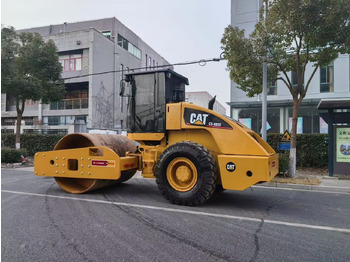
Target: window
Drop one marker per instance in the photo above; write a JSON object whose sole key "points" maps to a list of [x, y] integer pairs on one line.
{"points": [[107, 34], [30, 102], [272, 88], [327, 79], [71, 62], [146, 60], [295, 80], [61, 120], [129, 47], [53, 120], [74, 99]]}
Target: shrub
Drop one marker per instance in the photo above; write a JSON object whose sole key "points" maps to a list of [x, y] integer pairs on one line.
{"points": [[283, 162], [11, 155], [32, 142]]}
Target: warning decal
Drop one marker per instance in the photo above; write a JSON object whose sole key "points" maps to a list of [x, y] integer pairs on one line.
{"points": [[103, 163], [286, 136]]}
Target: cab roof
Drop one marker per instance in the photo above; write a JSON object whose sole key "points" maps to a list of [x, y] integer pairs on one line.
{"points": [[165, 71]]}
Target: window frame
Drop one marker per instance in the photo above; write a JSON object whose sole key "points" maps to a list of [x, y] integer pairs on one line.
{"points": [[272, 88], [71, 61], [128, 46], [330, 85]]}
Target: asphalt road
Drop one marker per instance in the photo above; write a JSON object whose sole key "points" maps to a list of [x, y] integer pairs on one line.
{"points": [[133, 222]]}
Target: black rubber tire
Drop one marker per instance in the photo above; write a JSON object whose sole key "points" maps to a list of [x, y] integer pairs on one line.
{"points": [[206, 170], [126, 175]]}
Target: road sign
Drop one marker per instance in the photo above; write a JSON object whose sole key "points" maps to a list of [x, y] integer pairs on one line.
{"points": [[284, 146], [286, 136]]}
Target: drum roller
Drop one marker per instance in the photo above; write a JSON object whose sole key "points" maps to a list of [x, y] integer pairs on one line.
{"points": [[119, 144]]}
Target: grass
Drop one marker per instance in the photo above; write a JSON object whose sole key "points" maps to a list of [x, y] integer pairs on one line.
{"points": [[304, 176], [313, 181]]}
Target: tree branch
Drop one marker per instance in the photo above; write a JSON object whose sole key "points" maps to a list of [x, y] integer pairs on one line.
{"points": [[284, 80], [289, 85], [309, 81]]}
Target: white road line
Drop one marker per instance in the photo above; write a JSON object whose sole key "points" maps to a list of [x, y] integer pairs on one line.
{"points": [[303, 190], [241, 218]]}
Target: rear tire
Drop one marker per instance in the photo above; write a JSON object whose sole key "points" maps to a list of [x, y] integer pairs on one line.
{"points": [[186, 174], [219, 189]]}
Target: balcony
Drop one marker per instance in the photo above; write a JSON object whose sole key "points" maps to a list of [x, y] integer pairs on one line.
{"points": [[66, 104]]}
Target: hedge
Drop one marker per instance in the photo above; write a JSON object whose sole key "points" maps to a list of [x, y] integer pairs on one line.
{"points": [[11, 155], [312, 149], [32, 142]]}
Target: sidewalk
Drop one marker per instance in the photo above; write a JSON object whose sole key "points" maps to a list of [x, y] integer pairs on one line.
{"points": [[339, 184]]}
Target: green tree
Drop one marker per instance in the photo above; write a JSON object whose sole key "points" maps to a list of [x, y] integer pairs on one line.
{"points": [[30, 69], [294, 34]]}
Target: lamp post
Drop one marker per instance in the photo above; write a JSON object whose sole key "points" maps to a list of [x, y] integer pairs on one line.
{"points": [[264, 92]]}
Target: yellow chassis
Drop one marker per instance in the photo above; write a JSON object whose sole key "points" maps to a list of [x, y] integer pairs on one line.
{"points": [[88, 162]]}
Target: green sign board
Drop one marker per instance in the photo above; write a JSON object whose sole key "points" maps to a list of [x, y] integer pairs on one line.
{"points": [[342, 137]]}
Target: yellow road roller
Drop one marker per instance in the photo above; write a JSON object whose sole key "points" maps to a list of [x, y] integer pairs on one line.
{"points": [[191, 151]]}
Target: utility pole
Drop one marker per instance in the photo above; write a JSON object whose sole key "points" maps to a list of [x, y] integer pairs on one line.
{"points": [[264, 92]]}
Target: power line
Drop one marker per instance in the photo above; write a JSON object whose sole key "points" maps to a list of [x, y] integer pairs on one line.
{"points": [[201, 62]]}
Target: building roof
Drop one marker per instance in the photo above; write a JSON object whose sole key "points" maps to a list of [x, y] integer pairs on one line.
{"points": [[283, 103], [342, 103], [185, 79]]}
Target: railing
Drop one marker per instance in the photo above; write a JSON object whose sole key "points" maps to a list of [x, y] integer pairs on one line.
{"points": [[12, 122], [79, 103]]}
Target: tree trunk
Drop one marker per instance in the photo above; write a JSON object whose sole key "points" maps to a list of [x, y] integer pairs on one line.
{"points": [[293, 143], [19, 122]]}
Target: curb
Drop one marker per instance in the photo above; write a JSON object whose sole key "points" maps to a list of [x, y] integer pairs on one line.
{"points": [[16, 165], [307, 187]]}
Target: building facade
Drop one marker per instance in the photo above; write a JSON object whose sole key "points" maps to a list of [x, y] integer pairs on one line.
{"points": [[332, 82], [202, 98], [94, 55]]}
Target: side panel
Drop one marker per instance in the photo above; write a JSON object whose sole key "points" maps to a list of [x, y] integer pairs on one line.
{"points": [[232, 138], [241, 172], [87, 162]]}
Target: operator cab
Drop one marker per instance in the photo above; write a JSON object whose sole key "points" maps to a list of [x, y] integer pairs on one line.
{"points": [[150, 91]]}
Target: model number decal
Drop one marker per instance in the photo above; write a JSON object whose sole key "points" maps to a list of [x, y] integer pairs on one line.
{"points": [[103, 163]]}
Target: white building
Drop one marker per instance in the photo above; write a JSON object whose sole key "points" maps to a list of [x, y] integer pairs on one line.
{"points": [[332, 82], [202, 99], [94, 55]]}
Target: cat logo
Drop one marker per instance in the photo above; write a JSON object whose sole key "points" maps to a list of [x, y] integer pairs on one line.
{"points": [[198, 119], [230, 167]]}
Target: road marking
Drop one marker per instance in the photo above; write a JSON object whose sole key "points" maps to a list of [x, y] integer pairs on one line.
{"points": [[241, 218], [302, 190]]}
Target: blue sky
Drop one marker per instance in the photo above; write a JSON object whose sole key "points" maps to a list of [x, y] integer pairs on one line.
{"points": [[181, 30]]}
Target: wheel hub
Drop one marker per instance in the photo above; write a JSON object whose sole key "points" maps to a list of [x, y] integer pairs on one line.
{"points": [[182, 174]]}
